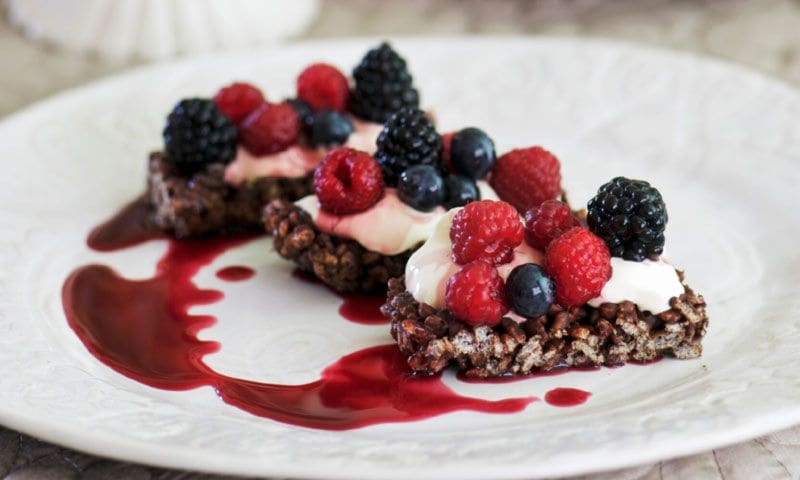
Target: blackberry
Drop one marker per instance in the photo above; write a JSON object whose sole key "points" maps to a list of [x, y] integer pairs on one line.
{"points": [[197, 133], [408, 138], [630, 216], [382, 85]]}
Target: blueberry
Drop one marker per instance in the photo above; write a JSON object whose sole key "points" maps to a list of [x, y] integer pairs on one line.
{"points": [[472, 152], [303, 110], [421, 187], [330, 128], [459, 191], [530, 291]]}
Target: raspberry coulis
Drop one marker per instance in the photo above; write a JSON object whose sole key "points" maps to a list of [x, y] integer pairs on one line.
{"points": [[235, 273], [363, 308], [142, 329]]}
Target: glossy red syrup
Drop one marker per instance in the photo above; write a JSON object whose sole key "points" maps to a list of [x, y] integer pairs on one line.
{"points": [[142, 329], [235, 273], [566, 397], [357, 307]]}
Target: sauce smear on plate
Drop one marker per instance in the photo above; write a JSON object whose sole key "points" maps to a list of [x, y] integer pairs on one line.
{"points": [[142, 329]]}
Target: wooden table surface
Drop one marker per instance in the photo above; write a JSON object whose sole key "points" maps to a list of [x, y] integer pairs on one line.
{"points": [[763, 34]]}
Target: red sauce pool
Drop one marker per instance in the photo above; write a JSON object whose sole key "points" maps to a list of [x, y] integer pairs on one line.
{"points": [[360, 308], [235, 273], [130, 226], [566, 397], [142, 329]]}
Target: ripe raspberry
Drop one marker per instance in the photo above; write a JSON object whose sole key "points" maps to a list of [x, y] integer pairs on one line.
{"points": [[487, 230], [270, 128], [347, 181], [580, 265], [237, 100], [447, 138], [546, 222], [527, 177], [323, 87], [476, 294]]}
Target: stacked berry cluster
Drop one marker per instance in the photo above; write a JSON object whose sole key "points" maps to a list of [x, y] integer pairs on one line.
{"points": [[484, 236], [202, 131], [625, 219], [429, 170]]}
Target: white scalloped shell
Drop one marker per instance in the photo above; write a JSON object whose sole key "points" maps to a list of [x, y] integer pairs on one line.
{"points": [[154, 29]]}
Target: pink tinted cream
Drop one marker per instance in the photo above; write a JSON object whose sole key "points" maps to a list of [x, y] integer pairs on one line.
{"points": [[388, 227], [295, 161]]}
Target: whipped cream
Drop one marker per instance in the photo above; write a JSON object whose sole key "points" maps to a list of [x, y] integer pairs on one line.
{"points": [[388, 227], [364, 136], [295, 161], [430, 267], [650, 284]]}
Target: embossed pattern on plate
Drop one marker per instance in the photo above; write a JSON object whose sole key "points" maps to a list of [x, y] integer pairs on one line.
{"points": [[720, 142]]}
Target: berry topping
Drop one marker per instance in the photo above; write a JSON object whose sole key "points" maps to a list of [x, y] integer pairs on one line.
{"points": [[472, 153], [487, 230], [476, 294], [579, 263], [527, 177], [237, 100], [347, 181], [382, 85], [329, 127], [630, 216], [529, 290], [271, 128], [304, 112], [459, 191], [546, 222], [408, 138], [447, 139], [421, 187], [197, 133], [323, 87]]}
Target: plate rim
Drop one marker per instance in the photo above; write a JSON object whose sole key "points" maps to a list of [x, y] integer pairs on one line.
{"points": [[112, 446]]}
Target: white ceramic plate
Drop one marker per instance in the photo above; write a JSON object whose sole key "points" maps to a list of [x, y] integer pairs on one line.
{"points": [[720, 142]]}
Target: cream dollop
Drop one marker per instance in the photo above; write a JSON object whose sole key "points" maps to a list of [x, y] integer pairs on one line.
{"points": [[388, 227], [364, 136], [295, 161], [429, 268], [649, 284]]}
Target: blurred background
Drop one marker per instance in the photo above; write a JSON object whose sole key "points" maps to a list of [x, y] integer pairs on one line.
{"points": [[50, 45], [47, 46]]}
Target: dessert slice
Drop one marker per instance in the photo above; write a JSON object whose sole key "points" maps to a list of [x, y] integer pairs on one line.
{"points": [[494, 296], [225, 158], [368, 214]]}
